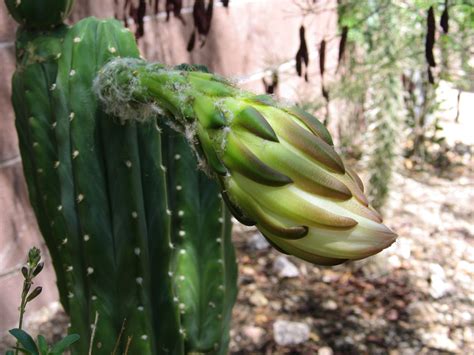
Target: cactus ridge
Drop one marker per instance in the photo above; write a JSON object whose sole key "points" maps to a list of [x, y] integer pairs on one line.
{"points": [[205, 267], [33, 85]]}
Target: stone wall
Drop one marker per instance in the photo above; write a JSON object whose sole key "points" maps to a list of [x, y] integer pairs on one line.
{"points": [[245, 40]]}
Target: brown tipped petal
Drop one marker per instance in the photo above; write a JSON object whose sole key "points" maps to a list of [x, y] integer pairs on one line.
{"points": [[290, 248], [296, 205], [304, 140], [306, 175], [237, 212], [312, 123], [355, 178], [212, 159], [240, 159], [355, 190], [208, 114], [354, 206], [255, 123], [357, 243], [264, 218]]}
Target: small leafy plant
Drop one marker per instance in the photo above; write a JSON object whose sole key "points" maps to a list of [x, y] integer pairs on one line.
{"points": [[25, 343]]}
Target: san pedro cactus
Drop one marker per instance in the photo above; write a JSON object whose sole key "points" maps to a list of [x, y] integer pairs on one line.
{"points": [[44, 14], [276, 163], [138, 236]]}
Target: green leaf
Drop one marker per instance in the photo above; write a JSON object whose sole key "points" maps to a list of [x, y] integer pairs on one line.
{"points": [[42, 345], [62, 345], [10, 352], [26, 340]]}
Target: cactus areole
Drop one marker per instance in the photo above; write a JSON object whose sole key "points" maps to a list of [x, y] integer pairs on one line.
{"points": [[276, 163], [40, 14]]}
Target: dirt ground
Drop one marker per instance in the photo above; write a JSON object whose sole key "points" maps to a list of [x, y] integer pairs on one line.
{"points": [[417, 297]]}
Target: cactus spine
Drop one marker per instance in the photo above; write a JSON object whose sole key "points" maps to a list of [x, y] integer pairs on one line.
{"points": [[137, 234]]}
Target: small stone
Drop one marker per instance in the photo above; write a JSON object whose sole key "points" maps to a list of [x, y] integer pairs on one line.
{"points": [[329, 305], [255, 334], [439, 287], [290, 333], [325, 350], [437, 337], [285, 268], [258, 299], [394, 261], [258, 242]]}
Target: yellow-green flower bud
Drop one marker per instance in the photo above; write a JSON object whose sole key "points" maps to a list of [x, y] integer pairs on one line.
{"points": [[276, 163]]}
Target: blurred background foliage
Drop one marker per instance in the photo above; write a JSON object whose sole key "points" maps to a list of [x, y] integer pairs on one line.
{"points": [[392, 57]]}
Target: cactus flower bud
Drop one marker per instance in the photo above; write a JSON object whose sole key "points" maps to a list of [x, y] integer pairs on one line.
{"points": [[276, 163]]}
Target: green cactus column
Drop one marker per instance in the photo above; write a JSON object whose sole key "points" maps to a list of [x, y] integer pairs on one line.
{"points": [[33, 85], [113, 200]]}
